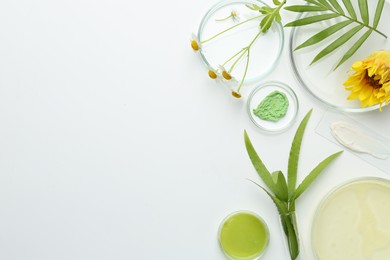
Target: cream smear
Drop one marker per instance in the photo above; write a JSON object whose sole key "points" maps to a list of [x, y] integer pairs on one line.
{"points": [[353, 222], [357, 140]]}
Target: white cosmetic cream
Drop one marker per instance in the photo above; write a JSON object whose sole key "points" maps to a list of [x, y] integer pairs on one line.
{"points": [[353, 222], [357, 140]]}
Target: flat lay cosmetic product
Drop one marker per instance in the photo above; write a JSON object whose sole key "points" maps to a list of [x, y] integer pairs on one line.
{"points": [[353, 222], [272, 107], [243, 235]]}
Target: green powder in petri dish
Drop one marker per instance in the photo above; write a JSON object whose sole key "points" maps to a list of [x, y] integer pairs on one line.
{"points": [[243, 236], [273, 107]]}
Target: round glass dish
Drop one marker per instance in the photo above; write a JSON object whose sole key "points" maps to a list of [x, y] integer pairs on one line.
{"points": [[243, 235], [352, 221], [264, 53], [259, 93], [321, 80]]}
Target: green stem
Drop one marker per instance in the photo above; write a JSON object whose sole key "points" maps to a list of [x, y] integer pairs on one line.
{"points": [[246, 69], [228, 29], [238, 59], [235, 55], [223, 19]]}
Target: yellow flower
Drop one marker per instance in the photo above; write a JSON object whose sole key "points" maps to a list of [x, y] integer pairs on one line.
{"points": [[225, 74], [236, 94], [371, 81], [195, 45], [212, 73]]}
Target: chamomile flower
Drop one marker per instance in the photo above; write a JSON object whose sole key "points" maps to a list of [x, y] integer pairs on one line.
{"points": [[213, 74], [236, 94], [234, 15], [225, 73], [371, 81], [195, 43]]}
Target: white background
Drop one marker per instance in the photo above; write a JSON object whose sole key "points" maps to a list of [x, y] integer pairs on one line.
{"points": [[114, 143]]}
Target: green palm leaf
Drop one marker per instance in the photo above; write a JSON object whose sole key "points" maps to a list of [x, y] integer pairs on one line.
{"points": [[329, 9], [337, 6], [337, 43], [349, 7], [312, 19], [323, 34], [354, 48], [378, 13], [305, 8], [325, 3], [363, 7]]}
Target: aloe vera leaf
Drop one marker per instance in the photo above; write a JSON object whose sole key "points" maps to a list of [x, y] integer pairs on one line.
{"points": [[378, 13], [294, 155], [363, 7], [258, 164], [350, 9], [292, 237], [337, 6], [312, 19], [280, 185], [324, 33], [305, 8], [280, 205], [314, 174], [354, 48], [337, 43]]}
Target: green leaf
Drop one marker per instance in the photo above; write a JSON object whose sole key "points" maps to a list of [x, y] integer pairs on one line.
{"points": [[294, 155], [337, 43], [336, 6], [363, 7], [276, 2], [280, 185], [312, 19], [280, 205], [378, 13], [266, 23], [305, 8], [350, 9], [278, 18], [354, 48], [292, 238], [324, 33], [325, 3], [258, 164], [314, 174], [313, 2]]}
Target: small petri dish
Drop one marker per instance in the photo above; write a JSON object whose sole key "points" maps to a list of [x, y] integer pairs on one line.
{"points": [[243, 235], [234, 35], [259, 93], [352, 221]]}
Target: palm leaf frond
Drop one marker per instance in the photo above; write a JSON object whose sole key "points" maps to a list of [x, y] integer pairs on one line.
{"points": [[321, 10]]}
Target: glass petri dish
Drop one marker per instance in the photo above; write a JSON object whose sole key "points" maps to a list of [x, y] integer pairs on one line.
{"points": [[259, 93], [321, 80], [265, 51], [243, 235], [352, 221]]}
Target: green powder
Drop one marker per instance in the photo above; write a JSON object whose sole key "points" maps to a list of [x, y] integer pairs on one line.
{"points": [[243, 236], [273, 107]]}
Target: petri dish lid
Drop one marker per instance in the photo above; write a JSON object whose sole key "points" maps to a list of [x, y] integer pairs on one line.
{"points": [[265, 51]]}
